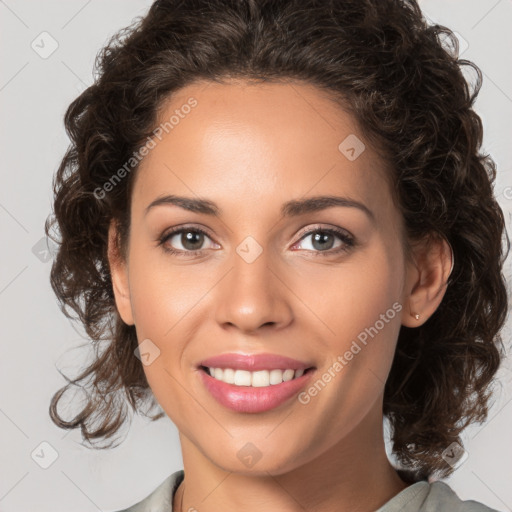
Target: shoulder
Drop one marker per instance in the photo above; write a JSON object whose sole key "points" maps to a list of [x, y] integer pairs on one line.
{"points": [[442, 497], [437, 496], [159, 499]]}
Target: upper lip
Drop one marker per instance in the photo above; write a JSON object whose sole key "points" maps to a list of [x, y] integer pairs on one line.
{"points": [[254, 362]]}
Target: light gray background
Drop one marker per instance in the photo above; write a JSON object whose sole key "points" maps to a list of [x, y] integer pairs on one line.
{"points": [[34, 93]]}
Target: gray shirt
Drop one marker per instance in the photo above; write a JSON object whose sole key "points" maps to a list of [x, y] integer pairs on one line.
{"points": [[418, 497]]}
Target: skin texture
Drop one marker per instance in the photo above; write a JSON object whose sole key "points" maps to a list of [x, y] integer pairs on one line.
{"points": [[250, 148]]}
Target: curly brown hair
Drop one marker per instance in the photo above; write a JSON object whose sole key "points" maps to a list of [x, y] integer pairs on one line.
{"points": [[401, 79]]}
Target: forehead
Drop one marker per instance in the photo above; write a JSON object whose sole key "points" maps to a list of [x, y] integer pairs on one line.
{"points": [[258, 143]]}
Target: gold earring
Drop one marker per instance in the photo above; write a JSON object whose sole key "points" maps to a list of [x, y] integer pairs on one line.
{"points": [[415, 315]]}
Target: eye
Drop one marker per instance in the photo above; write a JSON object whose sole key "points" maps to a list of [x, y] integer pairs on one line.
{"points": [[190, 239], [323, 241]]}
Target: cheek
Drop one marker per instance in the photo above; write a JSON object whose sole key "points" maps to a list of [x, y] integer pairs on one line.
{"points": [[357, 308], [159, 302], [352, 295], [373, 315], [153, 302], [161, 293], [151, 305], [166, 304]]}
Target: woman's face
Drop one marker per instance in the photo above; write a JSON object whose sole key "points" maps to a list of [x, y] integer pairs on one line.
{"points": [[268, 276]]}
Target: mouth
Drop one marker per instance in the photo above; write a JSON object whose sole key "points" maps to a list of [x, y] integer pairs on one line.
{"points": [[254, 383], [253, 362], [259, 378]]}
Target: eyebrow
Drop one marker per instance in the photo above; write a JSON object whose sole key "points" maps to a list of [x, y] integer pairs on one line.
{"points": [[293, 208]]}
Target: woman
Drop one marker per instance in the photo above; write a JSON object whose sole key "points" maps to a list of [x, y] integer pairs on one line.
{"points": [[276, 219]]}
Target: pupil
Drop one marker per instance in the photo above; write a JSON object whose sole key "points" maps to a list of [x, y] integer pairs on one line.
{"points": [[321, 238], [191, 237]]}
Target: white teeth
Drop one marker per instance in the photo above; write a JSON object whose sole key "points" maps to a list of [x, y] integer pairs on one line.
{"points": [[257, 379], [276, 376], [242, 378], [288, 374], [228, 375]]}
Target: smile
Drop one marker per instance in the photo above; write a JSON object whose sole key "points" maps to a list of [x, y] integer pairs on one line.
{"points": [[260, 378], [242, 395]]}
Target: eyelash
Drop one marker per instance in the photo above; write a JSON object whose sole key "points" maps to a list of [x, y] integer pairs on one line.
{"points": [[348, 241]]}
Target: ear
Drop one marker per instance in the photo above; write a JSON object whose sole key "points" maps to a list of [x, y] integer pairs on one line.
{"points": [[119, 274], [426, 281]]}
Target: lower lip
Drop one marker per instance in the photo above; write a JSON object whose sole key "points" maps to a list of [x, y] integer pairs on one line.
{"points": [[253, 399]]}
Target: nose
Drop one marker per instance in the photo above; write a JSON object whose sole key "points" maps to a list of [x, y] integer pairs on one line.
{"points": [[254, 295]]}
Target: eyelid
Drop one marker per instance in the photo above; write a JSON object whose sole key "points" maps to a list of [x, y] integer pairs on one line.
{"points": [[348, 241], [319, 227], [166, 235]]}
